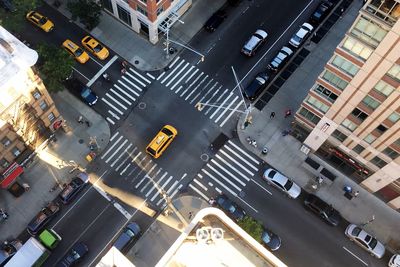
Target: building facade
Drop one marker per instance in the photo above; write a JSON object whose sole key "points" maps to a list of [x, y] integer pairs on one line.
{"points": [[149, 17], [351, 115], [28, 115]]}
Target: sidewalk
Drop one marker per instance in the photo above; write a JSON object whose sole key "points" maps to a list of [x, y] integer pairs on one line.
{"points": [[284, 151], [53, 164]]}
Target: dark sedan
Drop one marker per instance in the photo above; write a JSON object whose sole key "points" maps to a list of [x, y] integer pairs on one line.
{"points": [[321, 12], [230, 207], [215, 20], [88, 96], [323, 210], [77, 252], [74, 187], [255, 88], [270, 240], [130, 233], [43, 218]]}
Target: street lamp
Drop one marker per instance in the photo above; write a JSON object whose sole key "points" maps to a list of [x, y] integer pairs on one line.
{"points": [[247, 118]]}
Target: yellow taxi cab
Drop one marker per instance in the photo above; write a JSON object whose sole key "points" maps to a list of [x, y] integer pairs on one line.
{"points": [[162, 140], [80, 55], [40, 21], [95, 47]]}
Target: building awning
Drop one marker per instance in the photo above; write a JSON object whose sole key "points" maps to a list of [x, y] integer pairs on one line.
{"points": [[10, 174]]}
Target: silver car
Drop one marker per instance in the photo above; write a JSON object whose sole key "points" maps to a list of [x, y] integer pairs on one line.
{"points": [[364, 240], [299, 37], [254, 42], [282, 182]]}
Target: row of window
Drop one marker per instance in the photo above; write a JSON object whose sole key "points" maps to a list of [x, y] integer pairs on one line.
{"points": [[16, 152]]}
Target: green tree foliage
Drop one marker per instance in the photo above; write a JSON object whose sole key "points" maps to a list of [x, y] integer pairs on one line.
{"points": [[252, 227], [55, 65], [87, 11], [15, 21]]}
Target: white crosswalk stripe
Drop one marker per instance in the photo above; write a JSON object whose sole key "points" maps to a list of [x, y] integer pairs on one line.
{"points": [[229, 171], [200, 90]]}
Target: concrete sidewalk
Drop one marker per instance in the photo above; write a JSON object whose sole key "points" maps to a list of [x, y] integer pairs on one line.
{"points": [[284, 151]]}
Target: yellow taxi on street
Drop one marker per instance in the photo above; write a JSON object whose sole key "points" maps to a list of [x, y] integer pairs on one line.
{"points": [[40, 21], [95, 47], [162, 140], [79, 54]]}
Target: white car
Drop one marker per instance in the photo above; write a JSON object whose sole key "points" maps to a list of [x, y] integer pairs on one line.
{"points": [[364, 240], [280, 59], [281, 182], [394, 261], [299, 37], [254, 42]]}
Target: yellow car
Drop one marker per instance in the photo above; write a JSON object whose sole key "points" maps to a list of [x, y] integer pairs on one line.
{"points": [[40, 21], [162, 140], [80, 55], [95, 47]]}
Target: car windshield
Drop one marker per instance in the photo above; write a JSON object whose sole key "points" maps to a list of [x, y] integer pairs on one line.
{"points": [[356, 231], [42, 21], [297, 38], [85, 93], [130, 233], [271, 174], [266, 237], [373, 243], [97, 48], [231, 208], [78, 52], [260, 80], [167, 131], [75, 255], [288, 185]]}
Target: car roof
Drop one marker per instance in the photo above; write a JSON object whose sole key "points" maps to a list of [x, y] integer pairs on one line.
{"points": [[262, 33], [308, 26], [287, 50], [279, 177]]}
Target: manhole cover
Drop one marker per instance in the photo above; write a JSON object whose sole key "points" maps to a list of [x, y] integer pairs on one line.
{"points": [[142, 105], [204, 157], [81, 141], [136, 61]]}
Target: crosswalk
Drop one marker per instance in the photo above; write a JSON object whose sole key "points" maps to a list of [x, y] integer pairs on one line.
{"points": [[124, 93], [229, 171], [138, 170], [201, 90]]}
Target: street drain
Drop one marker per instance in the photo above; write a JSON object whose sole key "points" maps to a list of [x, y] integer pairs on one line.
{"points": [[142, 105], [81, 141], [204, 157]]}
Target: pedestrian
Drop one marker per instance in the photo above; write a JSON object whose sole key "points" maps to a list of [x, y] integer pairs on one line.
{"points": [[272, 115], [288, 112], [190, 215], [123, 71], [356, 193], [80, 119]]}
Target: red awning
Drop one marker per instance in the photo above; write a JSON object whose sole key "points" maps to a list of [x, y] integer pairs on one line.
{"points": [[10, 175]]}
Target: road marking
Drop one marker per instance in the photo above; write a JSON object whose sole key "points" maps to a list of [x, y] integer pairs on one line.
{"points": [[197, 86], [232, 112], [120, 96], [228, 172], [190, 85], [113, 114], [239, 156], [136, 79], [110, 120], [172, 71], [141, 76], [217, 101], [262, 187], [116, 151], [131, 83], [223, 103], [226, 109], [129, 89], [161, 188], [183, 76], [173, 63], [200, 184], [80, 73], [128, 157], [111, 105], [191, 76], [237, 163], [232, 167], [100, 72], [247, 204], [199, 192], [176, 76], [109, 150], [204, 88], [125, 93], [223, 177], [116, 101], [220, 183], [244, 152], [148, 174], [120, 156], [355, 256], [151, 76], [115, 135]]}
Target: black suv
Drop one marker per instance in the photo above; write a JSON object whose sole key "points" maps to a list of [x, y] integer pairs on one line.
{"points": [[323, 209], [255, 88], [321, 12], [215, 20], [43, 217]]}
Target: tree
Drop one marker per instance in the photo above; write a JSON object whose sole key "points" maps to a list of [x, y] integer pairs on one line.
{"points": [[55, 65], [252, 227], [87, 11], [15, 21]]}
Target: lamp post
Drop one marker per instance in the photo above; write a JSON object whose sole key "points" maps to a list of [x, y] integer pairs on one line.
{"points": [[247, 118]]}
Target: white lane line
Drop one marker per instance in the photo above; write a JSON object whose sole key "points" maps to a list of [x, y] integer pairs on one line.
{"points": [[172, 71], [240, 157], [141, 76], [247, 204], [111, 148], [136, 79], [116, 101], [80, 73], [355, 256], [173, 62], [228, 172], [162, 187], [116, 151], [226, 109], [199, 192], [219, 190], [215, 92], [131, 83], [200, 184], [113, 115], [111, 105], [151, 76], [183, 176], [201, 91], [153, 187], [161, 75], [148, 174], [179, 88], [237, 163], [115, 135], [103, 69], [125, 93], [120, 96], [244, 152], [176, 191], [120, 156], [190, 85], [220, 183], [197, 86], [262, 187], [232, 167], [223, 177], [129, 89], [232, 112], [208, 91], [169, 190], [110, 120], [222, 105], [128, 157], [191, 76], [177, 75], [210, 184], [183, 76], [217, 101]]}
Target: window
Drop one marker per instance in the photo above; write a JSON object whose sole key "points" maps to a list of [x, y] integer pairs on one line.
{"points": [[348, 124], [345, 65], [51, 116], [160, 10], [384, 88], [390, 153], [325, 93], [141, 10], [359, 114], [4, 163], [36, 94], [394, 72], [357, 48], [339, 135], [381, 129], [397, 142], [43, 105], [386, 10], [370, 102], [394, 117], [333, 79], [358, 149], [124, 15], [16, 152], [378, 162], [107, 5], [370, 138], [368, 31], [317, 104], [6, 142], [309, 115]]}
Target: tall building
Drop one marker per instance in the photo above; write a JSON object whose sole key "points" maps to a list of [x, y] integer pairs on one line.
{"points": [[351, 115], [27, 112], [149, 17]]}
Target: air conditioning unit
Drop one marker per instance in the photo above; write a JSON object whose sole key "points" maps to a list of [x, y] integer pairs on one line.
{"points": [[202, 235], [217, 234]]}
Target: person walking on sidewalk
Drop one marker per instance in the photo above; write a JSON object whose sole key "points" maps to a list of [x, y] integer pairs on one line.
{"points": [[288, 112], [272, 115]]}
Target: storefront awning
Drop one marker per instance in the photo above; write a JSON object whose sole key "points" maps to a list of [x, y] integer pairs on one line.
{"points": [[10, 174]]}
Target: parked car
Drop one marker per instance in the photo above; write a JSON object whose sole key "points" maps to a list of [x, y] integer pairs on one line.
{"points": [[270, 240], [280, 59], [43, 217], [323, 210], [394, 261], [74, 187], [94, 47], [130, 233], [8, 249], [365, 240], [77, 252], [88, 96], [321, 12], [255, 88], [299, 37], [252, 44], [282, 182], [78, 53], [40, 21], [230, 207], [215, 20]]}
